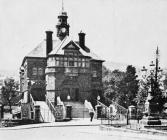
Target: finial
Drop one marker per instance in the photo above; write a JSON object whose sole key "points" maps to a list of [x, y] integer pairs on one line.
{"points": [[157, 51], [62, 5]]}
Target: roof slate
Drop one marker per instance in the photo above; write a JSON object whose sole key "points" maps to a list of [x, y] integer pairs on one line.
{"points": [[67, 40], [58, 45], [40, 50]]}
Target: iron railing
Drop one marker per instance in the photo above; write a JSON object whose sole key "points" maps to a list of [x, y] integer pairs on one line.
{"points": [[51, 107], [108, 117], [46, 114], [32, 105]]}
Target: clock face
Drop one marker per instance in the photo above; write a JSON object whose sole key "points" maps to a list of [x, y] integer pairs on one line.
{"points": [[63, 30]]}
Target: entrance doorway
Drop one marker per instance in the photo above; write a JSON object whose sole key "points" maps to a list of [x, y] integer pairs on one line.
{"points": [[75, 94]]}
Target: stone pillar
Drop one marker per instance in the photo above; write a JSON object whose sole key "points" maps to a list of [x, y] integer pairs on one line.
{"points": [[37, 113], [69, 112], [0, 111], [99, 111], [132, 112]]}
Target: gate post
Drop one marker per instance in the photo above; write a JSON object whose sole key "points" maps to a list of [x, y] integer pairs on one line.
{"points": [[69, 111], [0, 112], [99, 110], [37, 113]]}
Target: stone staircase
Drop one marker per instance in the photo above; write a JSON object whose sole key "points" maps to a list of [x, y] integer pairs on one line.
{"points": [[46, 114], [78, 109]]}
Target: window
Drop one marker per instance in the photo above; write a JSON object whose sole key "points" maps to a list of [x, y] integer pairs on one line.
{"points": [[87, 64], [40, 71], [75, 64], [79, 64], [75, 54], [57, 61], [94, 74], [70, 53], [71, 63], [61, 63], [71, 71], [83, 64], [51, 61], [65, 63], [34, 71], [37, 71]]}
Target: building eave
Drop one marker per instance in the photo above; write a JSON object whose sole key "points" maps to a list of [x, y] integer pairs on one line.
{"points": [[29, 57]]}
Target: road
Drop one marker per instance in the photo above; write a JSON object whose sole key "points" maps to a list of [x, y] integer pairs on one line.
{"points": [[73, 133]]}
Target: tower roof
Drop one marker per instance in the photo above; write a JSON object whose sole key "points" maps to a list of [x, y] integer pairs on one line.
{"points": [[62, 13]]}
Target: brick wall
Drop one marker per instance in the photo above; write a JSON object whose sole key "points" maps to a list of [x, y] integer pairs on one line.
{"points": [[35, 83], [84, 82]]}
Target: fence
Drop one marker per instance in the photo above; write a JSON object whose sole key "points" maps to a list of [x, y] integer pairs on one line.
{"points": [[114, 114]]}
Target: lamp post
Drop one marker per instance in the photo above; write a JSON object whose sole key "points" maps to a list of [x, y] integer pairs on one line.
{"points": [[98, 98], [152, 103], [68, 98], [68, 108]]}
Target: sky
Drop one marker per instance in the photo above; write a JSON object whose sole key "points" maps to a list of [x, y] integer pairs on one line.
{"points": [[124, 31]]}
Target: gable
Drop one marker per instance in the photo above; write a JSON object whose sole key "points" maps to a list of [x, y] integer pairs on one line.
{"points": [[71, 46]]}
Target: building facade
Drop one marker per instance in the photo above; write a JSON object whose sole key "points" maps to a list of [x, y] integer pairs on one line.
{"points": [[62, 67]]}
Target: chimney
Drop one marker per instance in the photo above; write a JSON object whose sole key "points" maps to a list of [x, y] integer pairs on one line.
{"points": [[82, 40], [49, 43]]}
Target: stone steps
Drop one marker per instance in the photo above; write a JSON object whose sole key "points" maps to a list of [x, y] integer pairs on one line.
{"points": [[78, 110], [46, 114]]}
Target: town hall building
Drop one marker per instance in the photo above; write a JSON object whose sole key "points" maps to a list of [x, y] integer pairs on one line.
{"points": [[62, 67]]}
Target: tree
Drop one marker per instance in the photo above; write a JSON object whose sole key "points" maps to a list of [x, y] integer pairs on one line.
{"points": [[165, 82], [111, 87], [9, 91], [121, 87], [128, 87], [142, 92], [156, 89]]}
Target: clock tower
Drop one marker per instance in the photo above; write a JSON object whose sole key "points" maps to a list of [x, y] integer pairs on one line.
{"points": [[62, 26]]}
